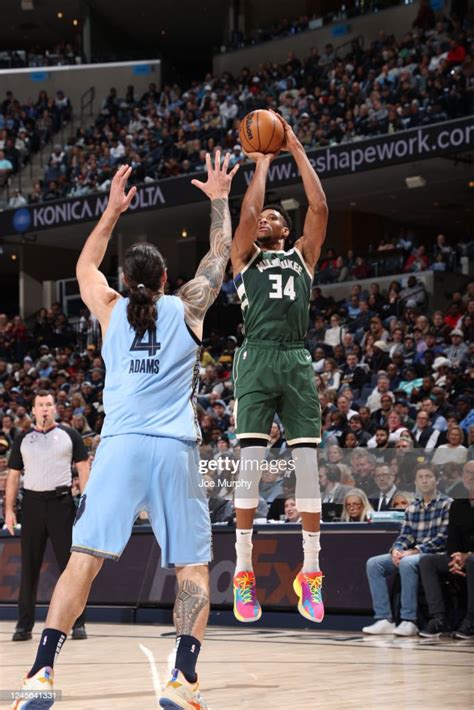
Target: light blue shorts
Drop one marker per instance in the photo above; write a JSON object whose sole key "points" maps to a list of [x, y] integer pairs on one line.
{"points": [[134, 472]]}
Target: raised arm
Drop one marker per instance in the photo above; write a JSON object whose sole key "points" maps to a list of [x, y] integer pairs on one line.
{"points": [[314, 231], [252, 204], [201, 292], [95, 291]]}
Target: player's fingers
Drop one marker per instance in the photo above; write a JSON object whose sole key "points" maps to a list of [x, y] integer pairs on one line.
{"points": [[131, 194], [119, 176], [225, 165], [126, 174], [198, 183], [217, 162], [234, 170], [208, 162], [284, 123]]}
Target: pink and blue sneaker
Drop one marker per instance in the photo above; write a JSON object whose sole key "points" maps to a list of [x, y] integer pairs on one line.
{"points": [[308, 587], [246, 606]]}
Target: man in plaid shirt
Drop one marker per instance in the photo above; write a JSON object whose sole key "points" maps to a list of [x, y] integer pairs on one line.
{"points": [[424, 530]]}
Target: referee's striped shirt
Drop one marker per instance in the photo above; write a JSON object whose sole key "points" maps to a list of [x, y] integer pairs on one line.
{"points": [[46, 457]]}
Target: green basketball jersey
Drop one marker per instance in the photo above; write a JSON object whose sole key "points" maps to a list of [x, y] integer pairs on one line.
{"points": [[274, 290]]}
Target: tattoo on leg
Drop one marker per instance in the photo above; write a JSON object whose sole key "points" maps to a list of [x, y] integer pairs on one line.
{"points": [[191, 600]]}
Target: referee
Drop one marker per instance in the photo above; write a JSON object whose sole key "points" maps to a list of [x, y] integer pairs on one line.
{"points": [[45, 453]]}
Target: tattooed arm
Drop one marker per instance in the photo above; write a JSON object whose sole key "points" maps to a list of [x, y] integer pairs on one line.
{"points": [[201, 292]]}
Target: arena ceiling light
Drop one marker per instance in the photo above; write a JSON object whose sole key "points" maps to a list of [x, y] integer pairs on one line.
{"points": [[27, 5], [415, 181]]}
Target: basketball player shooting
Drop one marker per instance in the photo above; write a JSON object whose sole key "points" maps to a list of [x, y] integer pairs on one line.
{"points": [[273, 371], [149, 442]]}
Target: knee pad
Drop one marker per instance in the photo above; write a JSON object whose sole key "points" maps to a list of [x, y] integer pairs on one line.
{"points": [[248, 479], [307, 493]]}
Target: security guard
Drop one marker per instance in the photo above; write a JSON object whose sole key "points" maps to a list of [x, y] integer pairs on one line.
{"points": [[45, 453]]}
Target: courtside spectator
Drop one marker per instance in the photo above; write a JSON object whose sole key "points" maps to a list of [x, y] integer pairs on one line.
{"points": [[424, 531]]}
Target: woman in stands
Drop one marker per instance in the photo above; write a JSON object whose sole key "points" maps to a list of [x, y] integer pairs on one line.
{"points": [[292, 514], [356, 506], [453, 451], [402, 499]]}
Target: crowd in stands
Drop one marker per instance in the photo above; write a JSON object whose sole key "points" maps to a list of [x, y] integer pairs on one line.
{"points": [[395, 254], [396, 386], [287, 27], [27, 126], [62, 54], [396, 392], [328, 97]]}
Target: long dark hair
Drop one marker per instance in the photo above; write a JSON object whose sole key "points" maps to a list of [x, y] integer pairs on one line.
{"points": [[143, 268]]}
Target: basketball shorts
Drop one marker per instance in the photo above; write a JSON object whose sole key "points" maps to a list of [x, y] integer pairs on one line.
{"points": [[276, 378], [133, 473]]}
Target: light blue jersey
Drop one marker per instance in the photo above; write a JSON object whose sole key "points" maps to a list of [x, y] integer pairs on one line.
{"points": [[150, 382]]}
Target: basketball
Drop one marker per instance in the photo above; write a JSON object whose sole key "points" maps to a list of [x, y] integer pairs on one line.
{"points": [[261, 132]]}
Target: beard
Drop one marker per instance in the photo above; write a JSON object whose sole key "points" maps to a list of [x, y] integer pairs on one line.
{"points": [[268, 240]]}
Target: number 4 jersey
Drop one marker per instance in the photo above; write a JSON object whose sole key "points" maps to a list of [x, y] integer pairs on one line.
{"points": [[150, 382], [274, 290]]}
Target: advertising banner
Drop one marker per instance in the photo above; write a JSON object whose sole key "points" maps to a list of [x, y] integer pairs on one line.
{"points": [[343, 159]]}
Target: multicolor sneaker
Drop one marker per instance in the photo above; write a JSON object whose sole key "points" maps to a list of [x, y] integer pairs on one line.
{"points": [[181, 695], [37, 692], [246, 606], [307, 586]]}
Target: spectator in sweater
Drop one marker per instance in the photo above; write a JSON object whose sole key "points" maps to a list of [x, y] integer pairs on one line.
{"points": [[458, 350], [414, 294], [453, 451], [383, 389], [424, 531]]}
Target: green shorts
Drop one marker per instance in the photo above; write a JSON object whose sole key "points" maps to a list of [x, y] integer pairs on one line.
{"points": [[276, 378]]}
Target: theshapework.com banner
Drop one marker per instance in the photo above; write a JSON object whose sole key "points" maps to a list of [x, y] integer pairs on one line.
{"points": [[446, 138]]}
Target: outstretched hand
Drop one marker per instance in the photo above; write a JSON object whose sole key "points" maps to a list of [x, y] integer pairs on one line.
{"points": [[219, 181], [119, 201]]}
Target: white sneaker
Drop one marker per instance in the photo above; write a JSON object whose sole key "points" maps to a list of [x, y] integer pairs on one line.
{"points": [[381, 627], [181, 695], [37, 691], [406, 628]]}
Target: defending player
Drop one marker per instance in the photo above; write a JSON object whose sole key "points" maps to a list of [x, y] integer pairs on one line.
{"points": [[149, 439], [273, 371]]}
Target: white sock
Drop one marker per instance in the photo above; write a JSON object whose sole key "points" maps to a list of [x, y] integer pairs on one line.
{"points": [[243, 548], [311, 549]]}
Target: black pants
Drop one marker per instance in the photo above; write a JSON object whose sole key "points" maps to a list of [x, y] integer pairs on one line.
{"points": [[433, 568], [42, 518]]}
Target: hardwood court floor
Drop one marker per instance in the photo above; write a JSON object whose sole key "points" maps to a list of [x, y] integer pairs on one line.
{"points": [[255, 669]]}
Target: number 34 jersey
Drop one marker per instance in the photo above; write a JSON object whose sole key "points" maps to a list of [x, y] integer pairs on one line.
{"points": [[274, 290], [150, 382]]}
